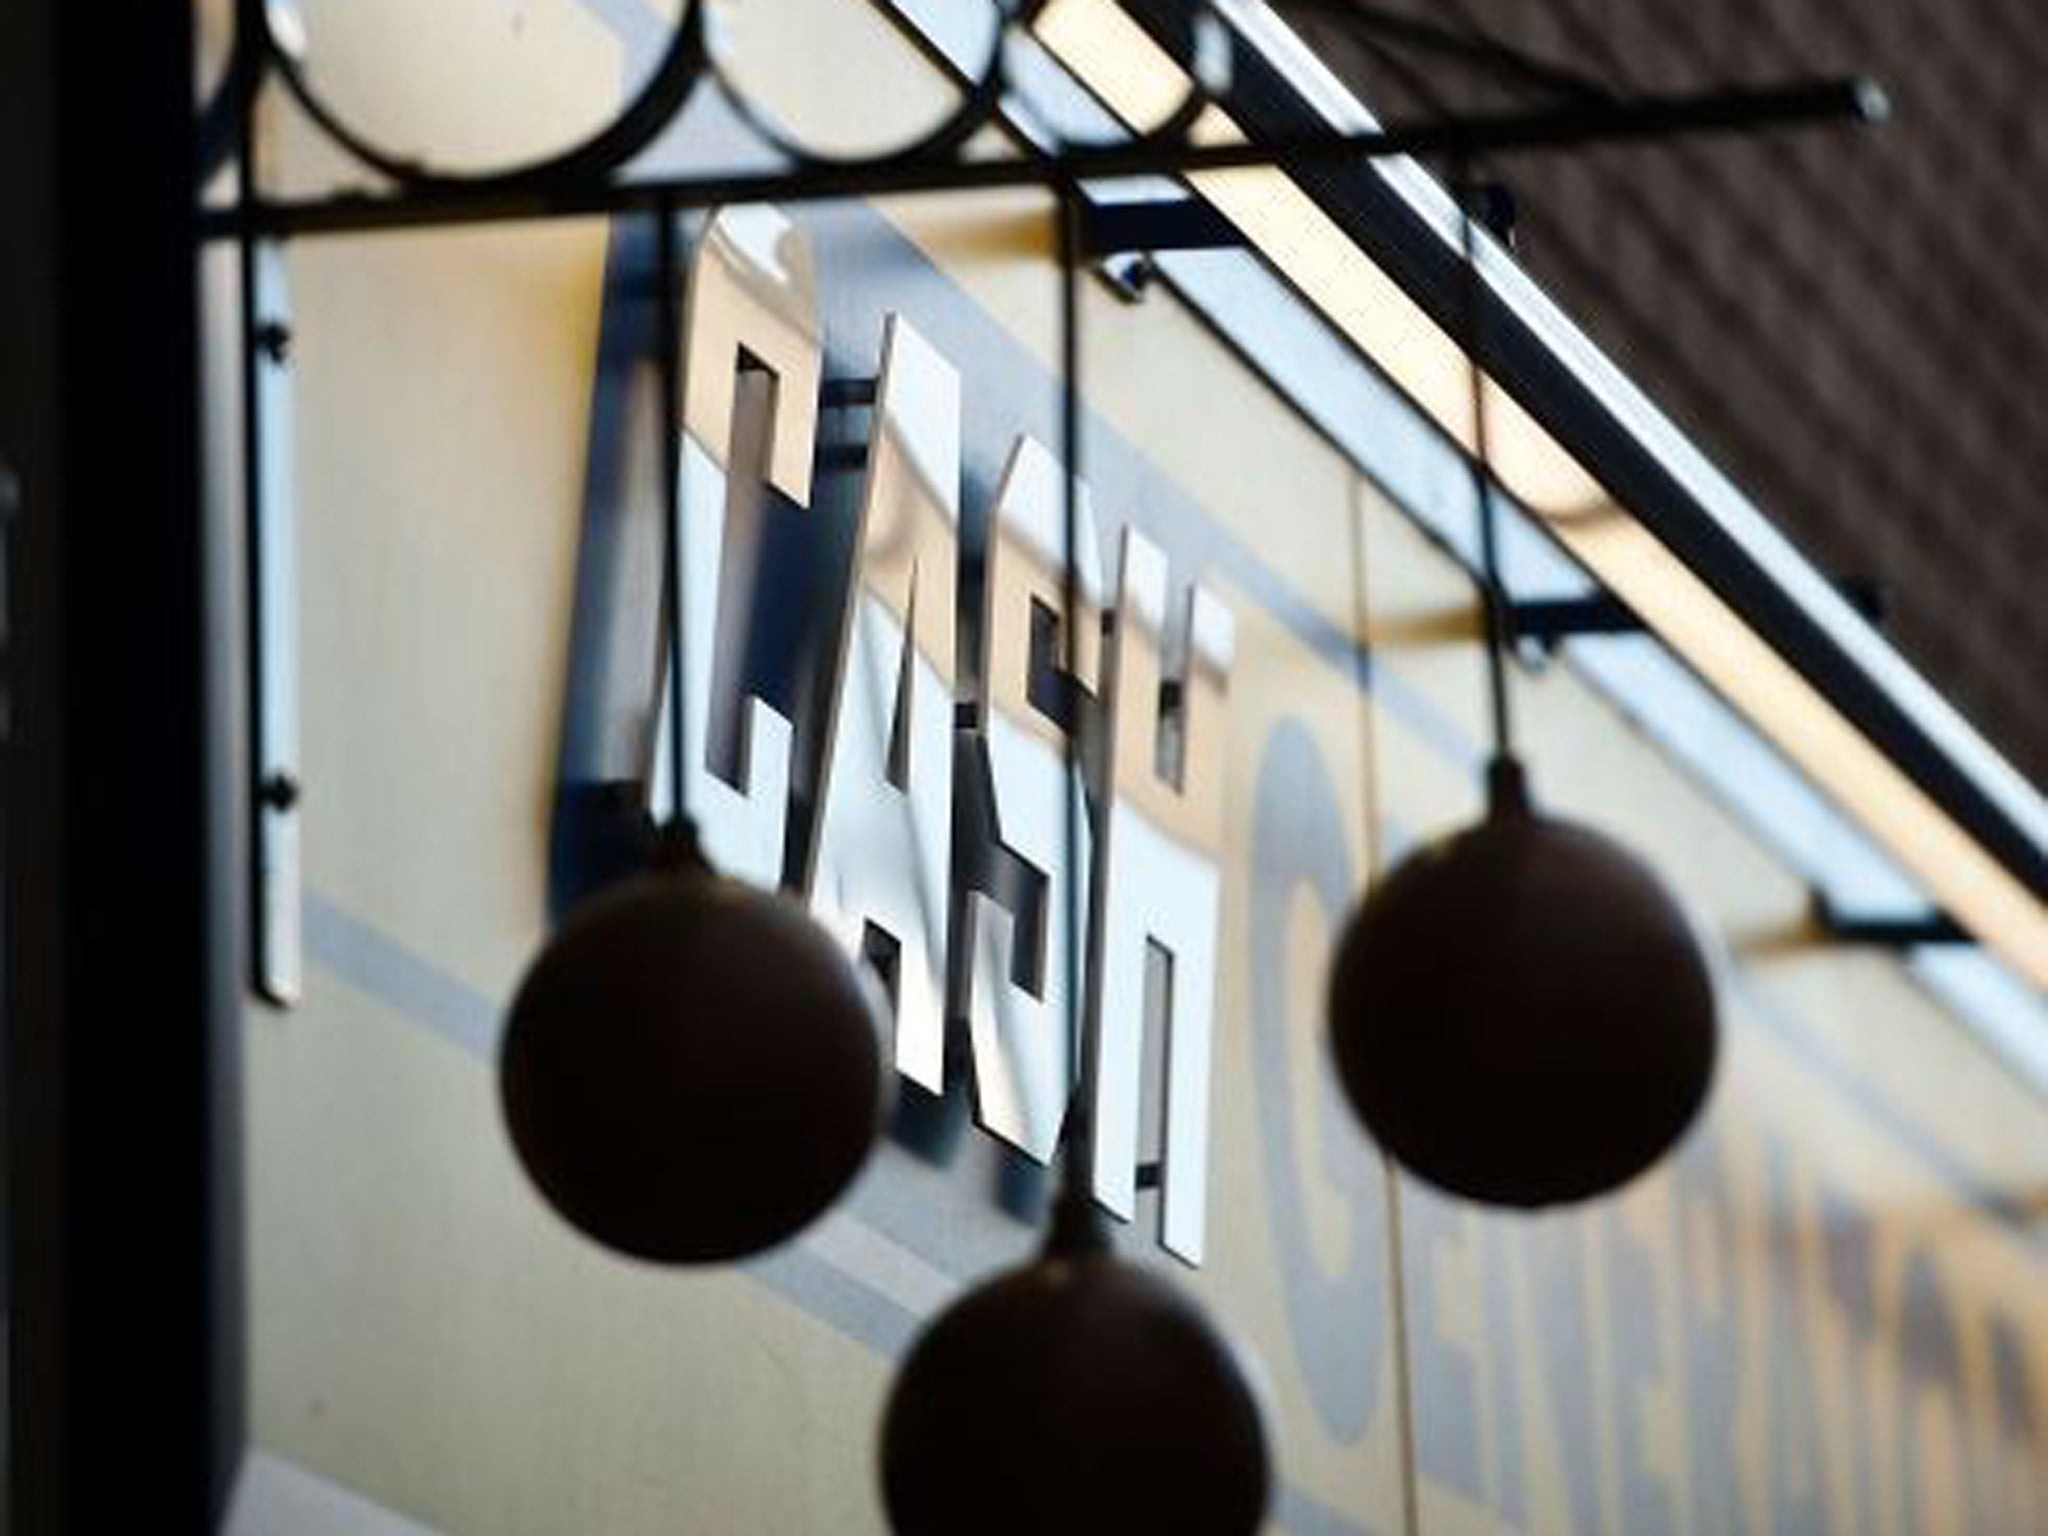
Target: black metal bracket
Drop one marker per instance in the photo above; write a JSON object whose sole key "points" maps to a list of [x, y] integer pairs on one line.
{"points": [[1548, 622], [848, 393], [1912, 930], [849, 397], [1120, 239], [603, 833], [1155, 224]]}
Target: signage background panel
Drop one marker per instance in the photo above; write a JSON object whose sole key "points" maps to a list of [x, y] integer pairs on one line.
{"points": [[1854, 1218]]}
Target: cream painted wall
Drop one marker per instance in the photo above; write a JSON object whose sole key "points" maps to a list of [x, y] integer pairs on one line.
{"points": [[424, 1332]]}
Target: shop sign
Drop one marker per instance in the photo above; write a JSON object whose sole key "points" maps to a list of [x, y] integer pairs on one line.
{"points": [[932, 834]]}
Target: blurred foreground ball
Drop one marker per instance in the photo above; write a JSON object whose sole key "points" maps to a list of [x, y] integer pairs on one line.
{"points": [[1520, 1013], [1079, 1395], [692, 1069]]}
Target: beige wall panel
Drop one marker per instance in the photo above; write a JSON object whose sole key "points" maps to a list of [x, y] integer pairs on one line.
{"points": [[1281, 1136], [426, 1334], [463, 87], [1428, 714], [443, 389], [1867, 1007]]}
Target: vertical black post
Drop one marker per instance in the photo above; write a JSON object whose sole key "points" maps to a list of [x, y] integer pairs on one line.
{"points": [[669, 366], [124, 1366], [1075, 1216]]}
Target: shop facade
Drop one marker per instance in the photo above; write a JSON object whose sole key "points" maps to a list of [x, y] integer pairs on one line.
{"points": [[1823, 1312]]}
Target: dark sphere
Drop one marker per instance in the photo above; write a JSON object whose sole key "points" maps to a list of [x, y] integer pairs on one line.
{"points": [[1521, 1015], [1078, 1394], [692, 1069]]}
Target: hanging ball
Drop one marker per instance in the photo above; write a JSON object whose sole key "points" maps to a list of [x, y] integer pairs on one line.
{"points": [[1520, 1013], [692, 1069], [1078, 1394]]}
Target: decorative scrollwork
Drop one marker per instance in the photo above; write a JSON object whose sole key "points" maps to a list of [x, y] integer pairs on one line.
{"points": [[975, 110], [588, 177], [271, 41], [282, 46]]}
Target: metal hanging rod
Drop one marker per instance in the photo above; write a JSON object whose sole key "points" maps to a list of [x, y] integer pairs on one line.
{"points": [[1855, 100], [1155, 224]]}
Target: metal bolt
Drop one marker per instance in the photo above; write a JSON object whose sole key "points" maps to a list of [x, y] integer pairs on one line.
{"points": [[1128, 273], [278, 792], [273, 338]]}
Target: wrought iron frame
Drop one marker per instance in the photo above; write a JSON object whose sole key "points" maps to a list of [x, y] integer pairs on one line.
{"points": [[582, 181], [594, 177]]}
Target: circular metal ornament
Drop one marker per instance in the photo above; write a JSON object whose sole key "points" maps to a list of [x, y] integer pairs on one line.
{"points": [[692, 1069], [1203, 46], [652, 107], [975, 110], [230, 61], [1520, 1013]]}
